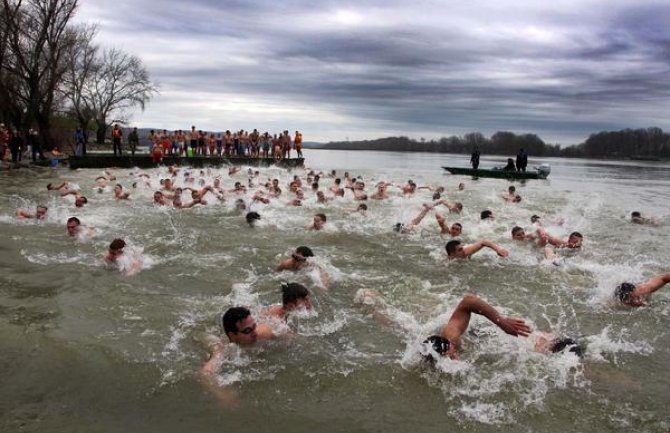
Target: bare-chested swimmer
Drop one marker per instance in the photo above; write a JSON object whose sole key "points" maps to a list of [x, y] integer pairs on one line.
{"points": [[448, 342], [40, 213], [457, 250], [77, 230], [455, 230], [637, 295], [294, 297], [241, 329]]}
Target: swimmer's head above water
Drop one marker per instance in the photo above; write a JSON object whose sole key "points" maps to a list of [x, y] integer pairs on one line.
{"points": [[434, 344]]}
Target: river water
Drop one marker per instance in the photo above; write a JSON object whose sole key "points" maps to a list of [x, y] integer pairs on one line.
{"points": [[85, 348]]}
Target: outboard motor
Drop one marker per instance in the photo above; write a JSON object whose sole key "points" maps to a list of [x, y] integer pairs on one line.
{"points": [[544, 169]]}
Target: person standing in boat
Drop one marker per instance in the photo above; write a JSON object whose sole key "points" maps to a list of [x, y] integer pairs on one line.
{"points": [[521, 160], [474, 159]]}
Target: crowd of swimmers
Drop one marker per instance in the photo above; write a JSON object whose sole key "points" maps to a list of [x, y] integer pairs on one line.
{"points": [[240, 327]]}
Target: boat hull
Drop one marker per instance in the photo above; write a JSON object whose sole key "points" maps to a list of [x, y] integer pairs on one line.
{"points": [[498, 174]]}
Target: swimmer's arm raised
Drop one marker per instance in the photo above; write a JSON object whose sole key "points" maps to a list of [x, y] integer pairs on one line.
{"points": [[644, 290], [460, 319]]}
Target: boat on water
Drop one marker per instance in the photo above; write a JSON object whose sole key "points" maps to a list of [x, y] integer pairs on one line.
{"points": [[540, 172]]}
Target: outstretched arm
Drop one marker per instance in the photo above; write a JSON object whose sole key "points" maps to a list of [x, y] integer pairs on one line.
{"points": [[442, 222], [460, 319], [473, 248], [644, 290]]}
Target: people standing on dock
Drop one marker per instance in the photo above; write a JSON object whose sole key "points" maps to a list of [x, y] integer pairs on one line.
{"points": [[117, 135], [474, 158], [298, 143], [133, 141]]}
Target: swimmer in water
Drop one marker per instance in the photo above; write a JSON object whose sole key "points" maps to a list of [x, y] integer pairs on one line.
{"points": [[457, 250], [519, 234], [552, 343], [318, 222], [297, 261], [455, 207], [159, 199], [252, 218], [294, 297], [448, 342], [119, 194], [76, 229], [129, 266], [637, 295], [574, 242], [241, 329], [40, 213], [511, 195], [487, 215], [638, 218], [361, 209], [407, 228], [115, 251], [455, 230]]}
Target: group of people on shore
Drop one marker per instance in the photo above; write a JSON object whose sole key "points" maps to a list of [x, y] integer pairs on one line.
{"points": [[197, 142], [249, 198]]}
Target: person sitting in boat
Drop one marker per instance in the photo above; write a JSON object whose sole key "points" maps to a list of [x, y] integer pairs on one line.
{"points": [[510, 165]]}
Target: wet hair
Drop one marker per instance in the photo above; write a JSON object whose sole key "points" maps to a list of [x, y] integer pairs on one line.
{"points": [[73, 220], [231, 317], [459, 206], [516, 229], [322, 216], [633, 214], [567, 343], [304, 251], [437, 343], [534, 218], [117, 244], [577, 234], [82, 199], [511, 189], [517, 199], [451, 247], [436, 196], [398, 227], [624, 291], [459, 225], [363, 206], [252, 217], [315, 185], [291, 292], [486, 214]]}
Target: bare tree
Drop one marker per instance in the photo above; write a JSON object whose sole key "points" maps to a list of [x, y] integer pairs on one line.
{"points": [[108, 84], [38, 35], [82, 62]]}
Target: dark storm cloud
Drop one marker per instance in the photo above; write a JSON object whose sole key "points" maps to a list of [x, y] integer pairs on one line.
{"points": [[405, 66]]}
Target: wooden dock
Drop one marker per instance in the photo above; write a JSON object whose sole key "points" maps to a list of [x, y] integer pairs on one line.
{"points": [[145, 161]]}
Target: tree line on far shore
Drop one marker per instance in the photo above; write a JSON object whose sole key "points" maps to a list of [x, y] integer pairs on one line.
{"points": [[649, 143]]}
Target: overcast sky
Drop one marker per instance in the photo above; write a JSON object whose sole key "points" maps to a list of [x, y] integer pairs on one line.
{"points": [[373, 68]]}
